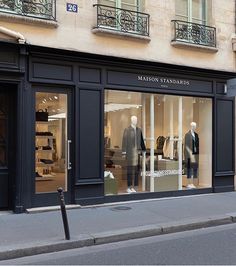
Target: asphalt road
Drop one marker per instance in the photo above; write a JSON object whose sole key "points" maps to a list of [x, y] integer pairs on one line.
{"points": [[215, 245]]}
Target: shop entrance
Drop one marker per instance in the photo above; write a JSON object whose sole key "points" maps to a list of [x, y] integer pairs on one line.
{"points": [[7, 145], [53, 145]]}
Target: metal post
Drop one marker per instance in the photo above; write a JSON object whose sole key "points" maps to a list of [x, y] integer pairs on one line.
{"points": [[152, 142], [180, 142], [171, 128], [63, 213], [144, 136]]}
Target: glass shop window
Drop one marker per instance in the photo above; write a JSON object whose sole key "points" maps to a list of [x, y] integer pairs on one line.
{"points": [[156, 142]]}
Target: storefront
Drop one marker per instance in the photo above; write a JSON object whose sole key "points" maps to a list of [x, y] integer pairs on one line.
{"points": [[108, 129]]}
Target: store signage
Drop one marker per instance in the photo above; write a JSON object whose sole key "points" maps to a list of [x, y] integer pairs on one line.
{"points": [[163, 80], [158, 82], [72, 7]]}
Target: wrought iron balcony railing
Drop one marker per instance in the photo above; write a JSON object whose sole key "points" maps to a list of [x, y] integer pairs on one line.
{"points": [[194, 33], [43, 9], [122, 20]]}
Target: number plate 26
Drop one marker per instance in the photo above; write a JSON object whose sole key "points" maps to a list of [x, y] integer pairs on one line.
{"points": [[71, 7]]}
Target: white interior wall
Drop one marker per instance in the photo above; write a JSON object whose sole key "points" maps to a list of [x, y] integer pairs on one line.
{"points": [[205, 145]]}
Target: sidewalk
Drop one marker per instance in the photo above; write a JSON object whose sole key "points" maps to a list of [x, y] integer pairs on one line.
{"points": [[29, 234]]}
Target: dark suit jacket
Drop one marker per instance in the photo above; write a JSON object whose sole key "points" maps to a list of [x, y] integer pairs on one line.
{"points": [[128, 144], [191, 148]]}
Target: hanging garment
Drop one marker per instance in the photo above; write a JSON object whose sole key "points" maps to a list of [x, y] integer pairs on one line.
{"points": [[160, 144], [170, 148]]}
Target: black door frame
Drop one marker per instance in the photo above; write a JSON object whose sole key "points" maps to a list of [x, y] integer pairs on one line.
{"points": [[49, 199], [10, 89]]}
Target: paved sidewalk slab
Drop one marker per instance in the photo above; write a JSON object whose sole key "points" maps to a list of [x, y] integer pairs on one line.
{"points": [[29, 234]]}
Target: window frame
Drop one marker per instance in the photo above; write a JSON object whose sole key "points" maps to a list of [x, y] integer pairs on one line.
{"points": [[190, 18], [119, 3]]}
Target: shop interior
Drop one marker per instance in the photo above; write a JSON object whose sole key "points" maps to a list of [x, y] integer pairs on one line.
{"points": [[50, 142], [165, 122]]}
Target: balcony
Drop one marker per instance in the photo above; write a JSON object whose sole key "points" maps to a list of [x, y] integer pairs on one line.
{"points": [[194, 35], [122, 21], [39, 9]]}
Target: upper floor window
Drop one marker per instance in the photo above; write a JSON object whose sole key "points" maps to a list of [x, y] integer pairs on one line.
{"points": [[44, 9], [191, 25], [195, 11], [134, 5], [122, 16]]}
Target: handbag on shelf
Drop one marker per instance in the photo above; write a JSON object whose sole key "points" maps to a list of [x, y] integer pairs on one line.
{"points": [[47, 161], [42, 115]]}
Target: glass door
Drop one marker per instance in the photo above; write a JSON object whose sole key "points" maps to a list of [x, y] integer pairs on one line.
{"points": [[52, 142]]}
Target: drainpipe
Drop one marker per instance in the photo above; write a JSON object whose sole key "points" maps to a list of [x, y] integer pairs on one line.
{"points": [[234, 35], [20, 38]]}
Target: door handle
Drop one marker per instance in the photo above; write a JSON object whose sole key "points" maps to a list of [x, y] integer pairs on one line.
{"points": [[68, 155]]}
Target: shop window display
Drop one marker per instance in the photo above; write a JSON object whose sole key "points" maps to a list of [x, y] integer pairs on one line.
{"points": [[50, 142], [156, 142]]}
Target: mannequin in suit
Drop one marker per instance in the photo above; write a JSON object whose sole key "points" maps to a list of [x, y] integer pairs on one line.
{"points": [[132, 146], [191, 155]]}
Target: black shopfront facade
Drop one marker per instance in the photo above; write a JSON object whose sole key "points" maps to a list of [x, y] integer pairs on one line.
{"points": [[86, 102]]}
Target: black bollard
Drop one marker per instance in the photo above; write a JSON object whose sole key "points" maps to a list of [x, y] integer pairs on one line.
{"points": [[63, 213]]}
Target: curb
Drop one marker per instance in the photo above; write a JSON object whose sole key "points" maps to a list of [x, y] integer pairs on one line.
{"points": [[51, 208], [47, 247], [117, 235]]}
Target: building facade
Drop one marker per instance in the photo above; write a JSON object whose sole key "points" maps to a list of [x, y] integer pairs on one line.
{"points": [[115, 100]]}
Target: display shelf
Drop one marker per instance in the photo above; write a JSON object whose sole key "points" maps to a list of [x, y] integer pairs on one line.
{"points": [[43, 178], [44, 169], [44, 137], [48, 176], [45, 151], [42, 122], [44, 164]]}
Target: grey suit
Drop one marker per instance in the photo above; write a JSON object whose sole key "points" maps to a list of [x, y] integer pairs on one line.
{"points": [[132, 145]]}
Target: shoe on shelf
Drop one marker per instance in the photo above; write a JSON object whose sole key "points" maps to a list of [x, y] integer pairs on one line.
{"points": [[37, 174], [133, 190], [47, 147], [189, 186], [129, 190], [46, 161]]}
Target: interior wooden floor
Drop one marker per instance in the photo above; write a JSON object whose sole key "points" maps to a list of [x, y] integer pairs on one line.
{"points": [[44, 185]]}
